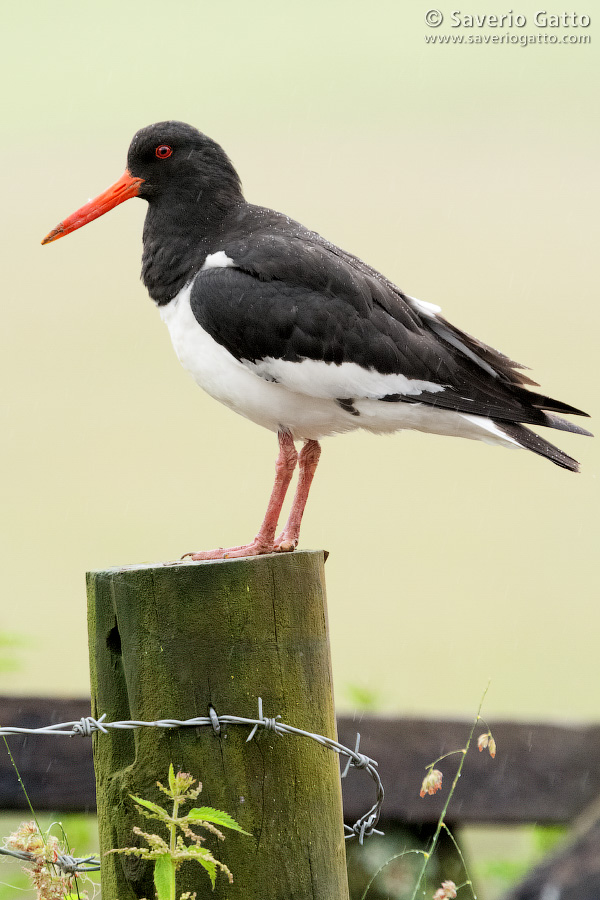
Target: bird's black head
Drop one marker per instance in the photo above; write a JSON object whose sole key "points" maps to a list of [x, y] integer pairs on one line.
{"points": [[181, 167], [188, 180], [191, 188]]}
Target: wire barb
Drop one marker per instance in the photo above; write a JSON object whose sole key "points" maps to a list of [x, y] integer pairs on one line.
{"points": [[88, 725], [214, 720]]}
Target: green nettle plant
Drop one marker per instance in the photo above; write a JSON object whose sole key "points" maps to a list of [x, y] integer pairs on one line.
{"points": [[168, 855]]}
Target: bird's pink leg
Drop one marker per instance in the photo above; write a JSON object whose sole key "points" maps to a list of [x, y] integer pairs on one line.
{"points": [[308, 459], [264, 540]]}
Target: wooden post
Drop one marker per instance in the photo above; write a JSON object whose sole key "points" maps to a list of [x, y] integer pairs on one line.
{"points": [[167, 642]]}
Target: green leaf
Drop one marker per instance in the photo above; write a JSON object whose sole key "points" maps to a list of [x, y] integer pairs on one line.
{"points": [[210, 866], [172, 784], [164, 877], [215, 817], [158, 811]]}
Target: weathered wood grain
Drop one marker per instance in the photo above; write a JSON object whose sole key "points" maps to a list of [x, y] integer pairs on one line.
{"points": [[167, 642]]}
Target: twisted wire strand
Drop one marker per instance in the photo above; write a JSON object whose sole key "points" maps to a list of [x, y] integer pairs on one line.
{"points": [[70, 865], [88, 725]]}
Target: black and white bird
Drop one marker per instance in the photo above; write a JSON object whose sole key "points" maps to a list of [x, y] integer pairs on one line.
{"points": [[299, 336]]}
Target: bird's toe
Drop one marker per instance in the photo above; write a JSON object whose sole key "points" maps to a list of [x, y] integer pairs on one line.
{"points": [[254, 548], [285, 545]]}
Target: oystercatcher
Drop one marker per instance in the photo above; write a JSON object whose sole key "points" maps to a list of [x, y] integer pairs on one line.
{"points": [[298, 335]]}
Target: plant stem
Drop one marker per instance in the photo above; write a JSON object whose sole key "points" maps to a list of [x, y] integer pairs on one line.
{"points": [[387, 862], [31, 809], [440, 823], [173, 845], [469, 880]]}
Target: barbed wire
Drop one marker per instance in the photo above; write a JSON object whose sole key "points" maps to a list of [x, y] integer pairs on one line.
{"points": [[70, 865], [88, 725]]}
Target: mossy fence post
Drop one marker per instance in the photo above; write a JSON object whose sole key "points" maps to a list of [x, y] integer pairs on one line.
{"points": [[170, 641]]}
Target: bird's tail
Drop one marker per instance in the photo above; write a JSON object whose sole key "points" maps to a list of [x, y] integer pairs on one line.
{"points": [[532, 441]]}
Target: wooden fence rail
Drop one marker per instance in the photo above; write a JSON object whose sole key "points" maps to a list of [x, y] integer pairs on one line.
{"points": [[542, 773]]}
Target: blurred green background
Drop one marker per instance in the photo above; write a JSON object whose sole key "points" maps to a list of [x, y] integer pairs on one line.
{"points": [[468, 174]]}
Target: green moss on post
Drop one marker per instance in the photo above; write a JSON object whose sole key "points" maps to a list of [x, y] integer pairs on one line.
{"points": [[168, 641]]}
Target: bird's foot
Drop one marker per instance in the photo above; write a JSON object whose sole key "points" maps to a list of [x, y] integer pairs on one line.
{"points": [[257, 547], [285, 543]]}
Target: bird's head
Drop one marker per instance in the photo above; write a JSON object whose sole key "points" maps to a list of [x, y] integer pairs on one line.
{"points": [[169, 164]]}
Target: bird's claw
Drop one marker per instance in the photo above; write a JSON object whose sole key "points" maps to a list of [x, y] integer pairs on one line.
{"points": [[257, 547]]}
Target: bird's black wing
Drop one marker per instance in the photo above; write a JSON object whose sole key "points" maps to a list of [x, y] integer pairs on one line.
{"points": [[288, 295]]}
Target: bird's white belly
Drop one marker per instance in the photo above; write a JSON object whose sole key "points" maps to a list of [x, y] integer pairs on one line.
{"points": [[275, 406]]}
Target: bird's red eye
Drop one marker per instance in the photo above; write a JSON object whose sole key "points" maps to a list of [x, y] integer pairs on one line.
{"points": [[163, 151]]}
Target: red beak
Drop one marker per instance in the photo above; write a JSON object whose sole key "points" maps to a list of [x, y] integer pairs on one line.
{"points": [[127, 186]]}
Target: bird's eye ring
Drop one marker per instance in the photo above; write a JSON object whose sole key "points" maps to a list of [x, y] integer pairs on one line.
{"points": [[163, 151]]}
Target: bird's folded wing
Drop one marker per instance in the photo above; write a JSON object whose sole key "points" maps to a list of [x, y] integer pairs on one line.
{"points": [[322, 323]]}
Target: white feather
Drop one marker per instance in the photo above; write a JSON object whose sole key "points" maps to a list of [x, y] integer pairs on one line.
{"points": [[218, 260], [427, 309], [345, 380]]}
